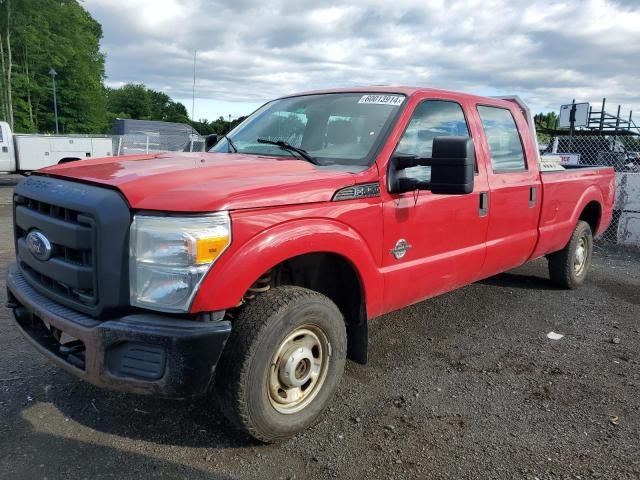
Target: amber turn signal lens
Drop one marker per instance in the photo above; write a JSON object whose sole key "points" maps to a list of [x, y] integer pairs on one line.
{"points": [[208, 249]]}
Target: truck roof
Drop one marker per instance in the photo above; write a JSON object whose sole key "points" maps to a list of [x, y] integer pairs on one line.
{"points": [[406, 90]]}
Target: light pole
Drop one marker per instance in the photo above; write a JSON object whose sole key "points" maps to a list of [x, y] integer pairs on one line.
{"points": [[53, 74]]}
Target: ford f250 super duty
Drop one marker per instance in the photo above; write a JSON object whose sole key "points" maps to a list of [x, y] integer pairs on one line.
{"points": [[251, 271]]}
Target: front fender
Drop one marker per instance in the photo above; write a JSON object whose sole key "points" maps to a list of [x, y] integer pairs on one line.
{"points": [[238, 269]]}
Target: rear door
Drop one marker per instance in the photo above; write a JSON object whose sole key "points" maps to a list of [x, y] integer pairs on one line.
{"points": [[514, 182], [432, 243]]}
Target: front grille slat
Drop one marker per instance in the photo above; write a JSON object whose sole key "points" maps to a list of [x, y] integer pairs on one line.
{"points": [[70, 272], [74, 275], [59, 232]]}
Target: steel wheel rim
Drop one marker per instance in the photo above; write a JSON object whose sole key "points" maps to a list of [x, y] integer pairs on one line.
{"points": [[298, 369], [580, 256]]}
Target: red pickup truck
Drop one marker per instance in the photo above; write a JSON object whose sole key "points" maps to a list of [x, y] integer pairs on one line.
{"points": [[252, 271]]}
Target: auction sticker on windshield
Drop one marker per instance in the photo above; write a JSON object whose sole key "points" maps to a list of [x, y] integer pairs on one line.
{"points": [[382, 99]]}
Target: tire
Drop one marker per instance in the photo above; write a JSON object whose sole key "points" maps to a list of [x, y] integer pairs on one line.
{"points": [[568, 268], [252, 375]]}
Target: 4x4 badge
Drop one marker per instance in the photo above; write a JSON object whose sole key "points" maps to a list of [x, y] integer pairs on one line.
{"points": [[400, 249]]}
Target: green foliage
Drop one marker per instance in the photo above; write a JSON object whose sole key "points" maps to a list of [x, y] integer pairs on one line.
{"points": [[142, 103], [130, 101], [219, 126], [545, 123], [58, 34]]}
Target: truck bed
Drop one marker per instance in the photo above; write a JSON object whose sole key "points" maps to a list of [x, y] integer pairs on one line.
{"points": [[563, 193]]}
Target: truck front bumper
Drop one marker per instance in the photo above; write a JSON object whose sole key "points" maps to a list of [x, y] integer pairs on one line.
{"points": [[141, 353]]}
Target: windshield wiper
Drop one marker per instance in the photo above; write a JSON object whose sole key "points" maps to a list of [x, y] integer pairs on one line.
{"points": [[229, 143], [287, 146]]}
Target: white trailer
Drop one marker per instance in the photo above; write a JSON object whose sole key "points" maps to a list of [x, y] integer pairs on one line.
{"points": [[24, 153]]}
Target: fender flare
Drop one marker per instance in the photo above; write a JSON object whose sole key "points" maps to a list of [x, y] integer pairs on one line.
{"points": [[591, 194], [240, 267], [557, 236]]}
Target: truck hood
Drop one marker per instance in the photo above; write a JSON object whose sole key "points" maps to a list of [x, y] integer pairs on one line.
{"points": [[205, 182]]}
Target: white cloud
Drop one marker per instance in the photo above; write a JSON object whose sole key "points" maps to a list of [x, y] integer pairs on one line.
{"points": [[249, 51]]}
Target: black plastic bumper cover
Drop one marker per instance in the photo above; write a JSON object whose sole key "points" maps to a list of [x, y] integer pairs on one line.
{"points": [[141, 353]]}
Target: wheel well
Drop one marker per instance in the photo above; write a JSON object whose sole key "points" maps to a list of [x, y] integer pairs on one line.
{"points": [[335, 277], [67, 160], [591, 214]]}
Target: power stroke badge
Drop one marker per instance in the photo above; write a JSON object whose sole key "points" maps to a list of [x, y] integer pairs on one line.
{"points": [[401, 248]]}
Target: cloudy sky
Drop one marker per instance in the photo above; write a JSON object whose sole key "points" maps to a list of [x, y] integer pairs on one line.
{"points": [[250, 51]]}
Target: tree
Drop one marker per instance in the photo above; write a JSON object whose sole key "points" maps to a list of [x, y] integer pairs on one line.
{"points": [[139, 102], [545, 124], [165, 109], [129, 101], [6, 61], [39, 35], [547, 121]]}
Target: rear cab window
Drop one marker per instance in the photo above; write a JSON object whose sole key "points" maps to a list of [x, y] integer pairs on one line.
{"points": [[503, 139]]}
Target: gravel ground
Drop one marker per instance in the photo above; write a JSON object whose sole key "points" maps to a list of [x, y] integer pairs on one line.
{"points": [[464, 386]]}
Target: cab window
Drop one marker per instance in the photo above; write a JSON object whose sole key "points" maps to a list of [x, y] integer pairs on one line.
{"points": [[503, 138], [431, 119]]}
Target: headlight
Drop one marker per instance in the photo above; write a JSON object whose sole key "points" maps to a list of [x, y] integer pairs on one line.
{"points": [[169, 257]]}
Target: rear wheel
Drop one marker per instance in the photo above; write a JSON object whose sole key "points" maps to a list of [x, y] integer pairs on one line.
{"points": [[283, 362], [568, 268]]}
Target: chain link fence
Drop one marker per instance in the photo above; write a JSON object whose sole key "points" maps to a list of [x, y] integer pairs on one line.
{"points": [[623, 154], [134, 144]]}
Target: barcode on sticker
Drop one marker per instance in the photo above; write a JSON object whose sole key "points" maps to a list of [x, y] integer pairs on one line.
{"points": [[394, 100]]}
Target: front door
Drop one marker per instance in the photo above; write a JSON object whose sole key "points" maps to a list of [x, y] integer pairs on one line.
{"points": [[432, 243]]}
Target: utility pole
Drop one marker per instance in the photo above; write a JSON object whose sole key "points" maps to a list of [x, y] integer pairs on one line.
{"points": [[193, 95], [53, 74]]}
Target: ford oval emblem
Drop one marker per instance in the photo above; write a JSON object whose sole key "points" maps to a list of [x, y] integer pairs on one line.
{"points": [[39, 245]]}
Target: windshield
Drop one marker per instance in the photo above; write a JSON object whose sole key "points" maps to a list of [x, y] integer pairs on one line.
{"points": [[332, 129]]}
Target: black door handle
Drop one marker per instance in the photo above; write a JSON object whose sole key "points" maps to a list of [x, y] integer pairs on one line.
{"points": [[484, 204], [532, 196]]}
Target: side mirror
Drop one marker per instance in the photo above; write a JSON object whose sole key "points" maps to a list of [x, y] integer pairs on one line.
{"points": [[210, 141], [452, 168]]}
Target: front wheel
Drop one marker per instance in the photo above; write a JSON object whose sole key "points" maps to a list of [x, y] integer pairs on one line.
{"points": [[568, 268], [283, 362]]}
